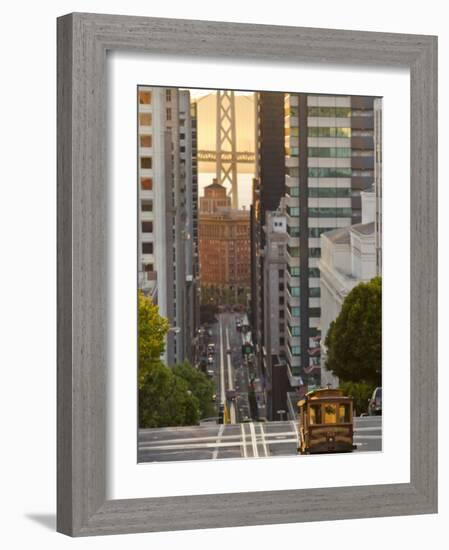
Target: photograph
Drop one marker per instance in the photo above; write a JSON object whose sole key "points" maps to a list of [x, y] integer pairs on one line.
{"points": [[259, 298]]}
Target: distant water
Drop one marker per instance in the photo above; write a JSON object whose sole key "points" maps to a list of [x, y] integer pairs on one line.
{"points": [[245, 183]]}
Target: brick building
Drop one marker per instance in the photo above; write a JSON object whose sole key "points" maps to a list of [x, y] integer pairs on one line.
{"points": [[224, 241]]}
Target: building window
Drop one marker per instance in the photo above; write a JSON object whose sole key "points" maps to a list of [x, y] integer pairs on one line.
{"points": [[168, 114], [146, 140], [168, 95], [314, 252], [293, 230], [147, 248], [315, 292], [292, 171], [144, 98], [294, 311], [147, 206], [295, 350], [294, 291], [293, 270], [314, 273], [293, 251], [329, 132], [145, 119], [329, 192], [294, 330], [146, 184], [330, 172], [330, 212], [329, 152], [317, 231], [147, 227], [149, 267], [293, 211], [146, 162], [314, 312], [329, 111]]}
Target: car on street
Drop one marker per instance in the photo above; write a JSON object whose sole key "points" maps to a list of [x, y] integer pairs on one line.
{"points": [[210, 359], [375, 403]]}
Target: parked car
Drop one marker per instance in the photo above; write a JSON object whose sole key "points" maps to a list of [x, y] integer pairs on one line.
{"points": [[375, 403]]}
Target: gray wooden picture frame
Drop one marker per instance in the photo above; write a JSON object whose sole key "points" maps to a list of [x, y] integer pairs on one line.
{"points": [[83, 40]]}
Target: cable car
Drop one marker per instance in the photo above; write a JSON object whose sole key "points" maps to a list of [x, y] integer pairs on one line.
{"points": [[325, 422]]}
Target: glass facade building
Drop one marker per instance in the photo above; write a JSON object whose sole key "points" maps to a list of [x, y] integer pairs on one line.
{"points": [[329, 156]]}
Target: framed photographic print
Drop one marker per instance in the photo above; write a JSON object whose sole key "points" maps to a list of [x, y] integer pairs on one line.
{"points": [[246, 274]]}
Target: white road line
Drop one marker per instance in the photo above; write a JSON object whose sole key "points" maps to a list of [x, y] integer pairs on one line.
{"points": [[190, 439], [295, 428], [232, 414], [228, 359], [245, 454], [253, 439], [218, 443], [367, 436], [267, 436], [264, 443], [222, 374], [217, 446]]}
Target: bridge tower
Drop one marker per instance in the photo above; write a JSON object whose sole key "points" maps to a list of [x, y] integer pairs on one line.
{"points": [[226, 160]]}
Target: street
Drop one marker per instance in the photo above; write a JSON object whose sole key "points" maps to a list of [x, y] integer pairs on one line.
{"points": [[231, 374], [246, 440], [244, 436]]}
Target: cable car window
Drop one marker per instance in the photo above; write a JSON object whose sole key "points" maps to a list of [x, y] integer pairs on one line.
{"points": [[344, 413], [330, 413], [315, 414]]}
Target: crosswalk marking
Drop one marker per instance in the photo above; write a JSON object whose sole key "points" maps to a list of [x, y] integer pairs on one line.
{"points": [[245, 453], [253, 439], [264, 443], [218, 442]]}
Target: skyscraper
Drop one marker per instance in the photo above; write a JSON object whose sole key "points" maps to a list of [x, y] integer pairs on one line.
{"points": [[268, 189], [329, 161], [166, 211]]}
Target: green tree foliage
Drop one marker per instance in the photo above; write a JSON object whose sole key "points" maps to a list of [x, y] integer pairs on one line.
{"points": [[354, 339], [165, 399], [153, 329], [200, 385], [360, 392]]}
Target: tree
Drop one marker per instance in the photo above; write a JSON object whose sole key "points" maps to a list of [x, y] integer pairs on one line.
{"points": [[200, 385], [165, 399], [361, 392], [152, 329], [354, 339]]}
